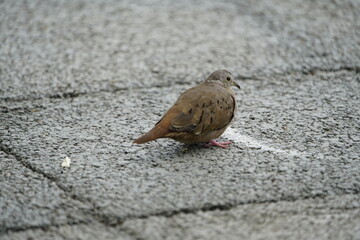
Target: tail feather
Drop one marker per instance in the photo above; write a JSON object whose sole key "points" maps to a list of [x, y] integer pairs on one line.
{"points": [[155, 133]]}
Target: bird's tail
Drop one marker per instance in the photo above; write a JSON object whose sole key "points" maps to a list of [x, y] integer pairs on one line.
{"points": [[155, 133]]}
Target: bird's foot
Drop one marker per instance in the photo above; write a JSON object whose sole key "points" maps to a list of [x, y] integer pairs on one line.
{"points": [[217, 144]]}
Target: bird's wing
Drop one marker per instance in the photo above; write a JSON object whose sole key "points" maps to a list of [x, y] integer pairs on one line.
{"points": [[202, 109]]}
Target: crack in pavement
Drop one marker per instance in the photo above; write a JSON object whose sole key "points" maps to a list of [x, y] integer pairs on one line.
{"points": [[42, 227], [74, 94], [31, 167], [92, 212], [306, 71], [66, 190], [64, 95], [313, 70], [111, 220]]}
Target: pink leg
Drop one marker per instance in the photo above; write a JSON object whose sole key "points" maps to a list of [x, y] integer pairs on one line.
{"points": [[218, 144]]}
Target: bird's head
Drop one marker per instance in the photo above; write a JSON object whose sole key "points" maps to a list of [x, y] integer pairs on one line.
{"points": [[224, 77]]}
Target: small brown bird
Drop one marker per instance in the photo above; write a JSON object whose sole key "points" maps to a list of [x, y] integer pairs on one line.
{"points": [[200, 114]]}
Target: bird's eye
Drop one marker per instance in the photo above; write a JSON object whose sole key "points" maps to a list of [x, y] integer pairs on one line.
{"points": [[228, 78]]}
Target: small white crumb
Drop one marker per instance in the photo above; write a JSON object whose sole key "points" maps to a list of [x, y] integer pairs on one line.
{"points": [[66, 162]]}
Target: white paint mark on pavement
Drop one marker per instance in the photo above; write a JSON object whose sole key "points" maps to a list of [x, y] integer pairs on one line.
{"points": [[234, 135]]}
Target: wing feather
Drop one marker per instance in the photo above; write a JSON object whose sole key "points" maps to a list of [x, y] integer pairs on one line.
{"points": [[202, 110]]}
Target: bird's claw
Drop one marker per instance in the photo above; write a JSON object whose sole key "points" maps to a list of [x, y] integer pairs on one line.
{"points": [[218, 144]]}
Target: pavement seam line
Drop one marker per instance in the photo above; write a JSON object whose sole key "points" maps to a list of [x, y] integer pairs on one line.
{"points": [[74, 94], [111, 220], [31, 167], [66, 191], [93, 213], [53, 179], [43, 226]]}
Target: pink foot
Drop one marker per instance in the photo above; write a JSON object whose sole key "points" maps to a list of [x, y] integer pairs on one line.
{"points": [[217, 144]]}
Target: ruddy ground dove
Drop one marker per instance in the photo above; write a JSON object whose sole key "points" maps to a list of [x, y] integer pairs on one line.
{"points": [[200, 114]]}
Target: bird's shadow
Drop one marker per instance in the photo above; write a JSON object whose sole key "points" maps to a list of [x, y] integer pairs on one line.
{"points": [[183, 150]]}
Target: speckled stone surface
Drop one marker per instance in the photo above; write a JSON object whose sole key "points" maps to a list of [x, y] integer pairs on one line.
{"points": [[82, 79]]}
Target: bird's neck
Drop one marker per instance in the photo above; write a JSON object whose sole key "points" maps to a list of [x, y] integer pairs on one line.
{"points": [[215, 82]]}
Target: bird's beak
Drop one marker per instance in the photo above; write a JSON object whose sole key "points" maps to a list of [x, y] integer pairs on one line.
{"points": [[237, 85]]}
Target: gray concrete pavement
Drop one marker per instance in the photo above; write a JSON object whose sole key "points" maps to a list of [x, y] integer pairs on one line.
{"points": [[83, 79]]}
